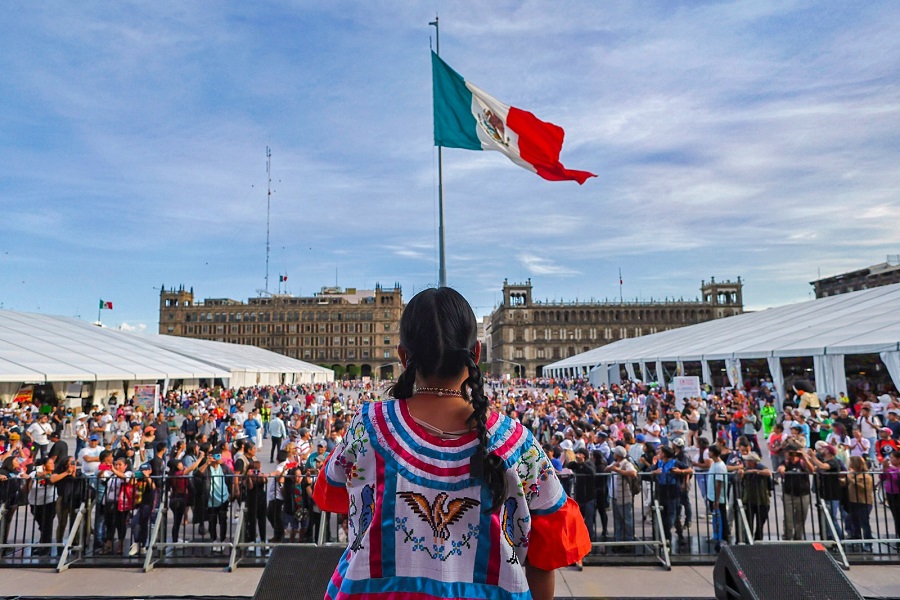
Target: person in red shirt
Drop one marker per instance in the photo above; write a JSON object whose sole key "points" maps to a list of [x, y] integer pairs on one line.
{"points": [[885, 445]]}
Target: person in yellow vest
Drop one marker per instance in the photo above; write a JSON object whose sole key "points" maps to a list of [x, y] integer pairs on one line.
{"points": [[265, 413]]}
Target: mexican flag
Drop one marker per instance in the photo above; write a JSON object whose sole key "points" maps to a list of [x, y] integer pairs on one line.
{"points": [[467, 117], [106, 305]]}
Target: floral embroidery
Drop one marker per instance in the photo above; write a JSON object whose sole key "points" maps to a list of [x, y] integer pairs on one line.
{"points": [[435, 550]]}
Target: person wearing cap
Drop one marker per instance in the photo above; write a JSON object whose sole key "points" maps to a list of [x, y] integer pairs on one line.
{"points": [[686, 485], [622, 499], [668, 471], [317, 459], [885, 445], [754, 479], [59, 449], [90, 456]]}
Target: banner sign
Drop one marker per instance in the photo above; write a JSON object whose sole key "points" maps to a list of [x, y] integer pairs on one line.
{"points": [[24, 395], [685, 387], [146, 396]]}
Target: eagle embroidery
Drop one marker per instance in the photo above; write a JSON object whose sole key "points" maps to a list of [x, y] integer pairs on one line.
{"points": [[440, 514]]}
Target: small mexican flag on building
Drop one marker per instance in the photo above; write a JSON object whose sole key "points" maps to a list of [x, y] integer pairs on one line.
{"points": [[105, 305]]}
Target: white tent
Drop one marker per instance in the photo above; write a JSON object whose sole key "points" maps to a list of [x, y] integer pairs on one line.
{"points": [[827, 329], [248, 365], [37, 348]]}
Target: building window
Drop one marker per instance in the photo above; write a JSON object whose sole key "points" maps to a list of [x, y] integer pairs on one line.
{"points": [[387, 326], [387, 354], [307, 353], [365, 354], [520, 353], [387, 341], [540, 353]]}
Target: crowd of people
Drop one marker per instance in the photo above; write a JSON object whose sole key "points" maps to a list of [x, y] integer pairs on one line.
{"points": [[618, 448], [631, 444], [200, 456]]}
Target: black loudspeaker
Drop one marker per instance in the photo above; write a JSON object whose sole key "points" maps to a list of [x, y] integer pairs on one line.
{"points": [[780, 572], [294, 572]]}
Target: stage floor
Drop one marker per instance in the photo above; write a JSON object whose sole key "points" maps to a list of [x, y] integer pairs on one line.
{"points": [[605, 583]]}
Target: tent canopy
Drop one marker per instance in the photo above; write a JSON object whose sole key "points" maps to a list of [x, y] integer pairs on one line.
{"points": [[863, 322], [38, 348]]}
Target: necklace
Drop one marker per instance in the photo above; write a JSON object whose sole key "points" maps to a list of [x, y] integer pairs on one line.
{"points": [[439, 392], [438, 432]]}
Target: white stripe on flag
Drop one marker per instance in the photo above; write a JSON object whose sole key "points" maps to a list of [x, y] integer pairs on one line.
{"points": [[492, 130]]}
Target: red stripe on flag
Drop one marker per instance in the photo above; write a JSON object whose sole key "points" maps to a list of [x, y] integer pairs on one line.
{"points": [[540, 144]]}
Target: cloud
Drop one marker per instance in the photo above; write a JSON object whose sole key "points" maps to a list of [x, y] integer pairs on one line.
{"points": [[542, 266], [135, 328]]}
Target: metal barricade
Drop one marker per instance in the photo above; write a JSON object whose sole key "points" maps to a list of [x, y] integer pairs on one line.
{"points": [[170, 523]]}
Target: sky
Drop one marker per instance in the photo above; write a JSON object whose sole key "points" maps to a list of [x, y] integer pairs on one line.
{"points": [[755, 139]]}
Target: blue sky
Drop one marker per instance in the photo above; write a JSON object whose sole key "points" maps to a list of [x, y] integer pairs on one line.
{"points": [[758, 139]]}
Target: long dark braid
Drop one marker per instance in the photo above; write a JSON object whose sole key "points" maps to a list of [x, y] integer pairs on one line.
{"points": [[438, 331], [485, 465]]}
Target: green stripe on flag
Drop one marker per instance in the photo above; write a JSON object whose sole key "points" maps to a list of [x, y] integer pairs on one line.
{"points": [[454, 123]]}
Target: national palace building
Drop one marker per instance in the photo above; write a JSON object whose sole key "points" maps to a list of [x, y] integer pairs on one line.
{"points": [[350, 330], [524, 335], [356, 331]]}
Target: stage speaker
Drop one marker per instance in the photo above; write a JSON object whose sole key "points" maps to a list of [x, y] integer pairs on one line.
{"points": [[780, 572], [294, 572]]}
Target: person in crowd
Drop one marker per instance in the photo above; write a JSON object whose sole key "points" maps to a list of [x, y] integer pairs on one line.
{"points": [[859, 446], [890, 480], [755, 481], [118, 496], [669, 486], [830, 483], [885, 445], [860, 500], [717, 482], [217, 480], [440, 406], [178, 483], [795, 472], [769, 416], [278, 431], [69, 492], [585, 492], [868, 424], [40, 431], [42, 501], [623, 492]]}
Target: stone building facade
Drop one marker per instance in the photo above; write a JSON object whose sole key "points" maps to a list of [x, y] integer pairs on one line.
{"points": [[354, 331], [884, 273], [525, 335]]}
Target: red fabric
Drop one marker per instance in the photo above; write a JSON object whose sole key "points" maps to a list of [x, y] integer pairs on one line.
{"points": [[540, 144], [330, 498], [375, 533], [558, 539]]}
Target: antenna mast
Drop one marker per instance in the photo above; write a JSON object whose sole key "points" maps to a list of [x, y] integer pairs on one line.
{"points": [[268, 208]]}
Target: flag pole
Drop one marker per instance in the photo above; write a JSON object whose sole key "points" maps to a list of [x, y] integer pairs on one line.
{"points": [[442, 269], [621, 297], [99, 308]]}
